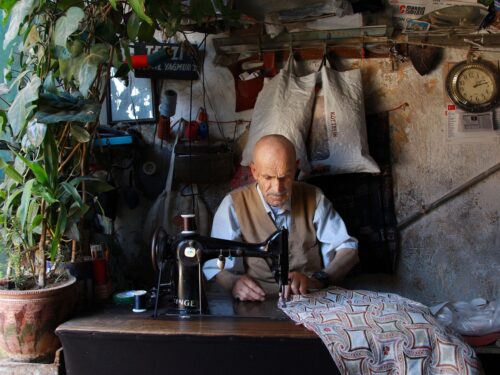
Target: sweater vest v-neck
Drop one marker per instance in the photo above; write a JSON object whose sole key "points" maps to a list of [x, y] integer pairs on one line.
{"points": [[256, 226]]}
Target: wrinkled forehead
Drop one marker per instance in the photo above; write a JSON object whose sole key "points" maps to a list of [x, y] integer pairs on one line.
{"points": [[275, 163], [274, 148]]}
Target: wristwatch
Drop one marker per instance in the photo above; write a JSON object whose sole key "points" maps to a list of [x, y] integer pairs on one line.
{"points": [[322, 277]]}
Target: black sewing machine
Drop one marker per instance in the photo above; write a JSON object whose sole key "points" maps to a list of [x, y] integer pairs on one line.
{"points": [[179, 259]]}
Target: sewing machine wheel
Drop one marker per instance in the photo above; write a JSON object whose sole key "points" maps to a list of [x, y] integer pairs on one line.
{"points": [[159, 244]]}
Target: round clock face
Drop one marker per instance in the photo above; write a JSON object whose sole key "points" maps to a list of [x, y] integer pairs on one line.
{"points": [[473, 86]]}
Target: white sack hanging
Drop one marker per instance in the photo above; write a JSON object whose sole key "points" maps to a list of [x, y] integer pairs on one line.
{"points": [[338, 141], [284, 106]]}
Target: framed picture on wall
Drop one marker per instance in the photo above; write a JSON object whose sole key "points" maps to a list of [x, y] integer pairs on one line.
{"points": [[134, 102]]}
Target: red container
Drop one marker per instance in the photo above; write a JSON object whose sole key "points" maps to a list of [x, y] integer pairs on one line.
{"points": [[100, 267], [163, 130], [202, 116], [191, 130]]}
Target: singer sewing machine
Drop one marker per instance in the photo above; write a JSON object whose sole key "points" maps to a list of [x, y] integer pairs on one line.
{"points": [[179, 260]]}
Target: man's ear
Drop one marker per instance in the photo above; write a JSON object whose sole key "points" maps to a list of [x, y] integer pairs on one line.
{"points": [[253, 169]]}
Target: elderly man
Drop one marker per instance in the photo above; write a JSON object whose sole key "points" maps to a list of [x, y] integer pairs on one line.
{"points": [[321, 251]]}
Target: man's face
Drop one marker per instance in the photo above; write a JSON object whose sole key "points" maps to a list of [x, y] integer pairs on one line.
{"points": [[274, 174]]}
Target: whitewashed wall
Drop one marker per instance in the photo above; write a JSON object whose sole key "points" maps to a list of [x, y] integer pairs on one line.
{"points": [[451, 253]]}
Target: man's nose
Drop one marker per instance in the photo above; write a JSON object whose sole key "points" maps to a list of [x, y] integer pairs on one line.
{"points": [[278, 185]]}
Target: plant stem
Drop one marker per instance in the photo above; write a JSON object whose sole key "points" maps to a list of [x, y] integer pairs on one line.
{"points": [[75, 149], [73, 251], [40, 253]]}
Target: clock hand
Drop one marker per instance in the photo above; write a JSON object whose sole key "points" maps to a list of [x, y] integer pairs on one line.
{"points": [[479, 83]]}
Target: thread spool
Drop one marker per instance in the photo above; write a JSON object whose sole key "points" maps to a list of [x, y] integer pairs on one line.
{"points": [[100, 266], [202, 115], [163, 129], [191, 130], [203, 130], [139, 301], [168, 103], [189, 223]]}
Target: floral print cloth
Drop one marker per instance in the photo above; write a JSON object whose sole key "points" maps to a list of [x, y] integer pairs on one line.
{"points": [[381, 333]]}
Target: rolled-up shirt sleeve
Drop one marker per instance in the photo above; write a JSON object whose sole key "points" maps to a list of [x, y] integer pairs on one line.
{"points": [[331, 231], [225, 226]]}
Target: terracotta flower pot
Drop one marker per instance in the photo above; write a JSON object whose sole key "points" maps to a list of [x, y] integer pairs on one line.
{"points": [[28, 319]]}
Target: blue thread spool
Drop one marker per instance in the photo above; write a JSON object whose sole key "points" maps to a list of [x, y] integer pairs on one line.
{"points": [[203, 130], [168, 103]]}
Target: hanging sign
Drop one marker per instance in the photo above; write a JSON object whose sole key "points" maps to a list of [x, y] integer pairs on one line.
{"points": [[164, 60]]}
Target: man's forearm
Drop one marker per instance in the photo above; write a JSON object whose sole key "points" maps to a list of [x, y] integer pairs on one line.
{"points": [[226, 279], [342, 263]]}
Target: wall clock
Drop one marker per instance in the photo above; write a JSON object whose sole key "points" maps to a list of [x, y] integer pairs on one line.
{"points": [[473, 85]]}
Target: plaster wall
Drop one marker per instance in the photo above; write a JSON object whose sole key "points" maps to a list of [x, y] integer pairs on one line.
{"points": [[452, 253]]}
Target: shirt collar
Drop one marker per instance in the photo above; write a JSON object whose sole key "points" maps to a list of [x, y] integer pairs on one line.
{"points": [[274, 210]]}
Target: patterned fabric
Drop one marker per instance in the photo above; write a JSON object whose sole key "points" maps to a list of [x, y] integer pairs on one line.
{"points": [[381, 333]]}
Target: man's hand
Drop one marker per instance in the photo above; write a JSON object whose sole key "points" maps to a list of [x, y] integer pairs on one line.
{"points": [[242, 287], [246, 289], [298, 283]]}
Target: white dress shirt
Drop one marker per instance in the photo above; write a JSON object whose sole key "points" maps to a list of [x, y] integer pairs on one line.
{"points": [[330, 230]]}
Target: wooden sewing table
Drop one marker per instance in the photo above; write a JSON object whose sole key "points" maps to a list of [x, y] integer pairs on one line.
{"points": [[115, 340]]}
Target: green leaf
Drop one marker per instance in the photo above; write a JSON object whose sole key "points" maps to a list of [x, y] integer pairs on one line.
{"points": [[71, 190], [200, 9], [49, 83], [17, 15], [37, 220], [94, 185], [7, 5], [21, 107], [42, 192], [65, 4], [22, 212], [36, 132], [68, 69], [75, 47], [10, 200], [122, 71], [79, 134], [72, 231], [113, 3], [146, 33], [60, 228], [10, 171], [18, 79], [40, 174], [133, 24], [138, 7], [126, 50], [51, 159], [67, 25], [3, 121], [107, 32], [98, 54], [33, 214]]}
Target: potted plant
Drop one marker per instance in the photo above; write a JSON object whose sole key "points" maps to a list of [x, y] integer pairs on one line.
{"points": [[47, 129], [60, 62]]}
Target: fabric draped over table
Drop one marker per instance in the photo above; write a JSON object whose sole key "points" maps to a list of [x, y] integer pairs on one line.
{"points": [[381, 333]]}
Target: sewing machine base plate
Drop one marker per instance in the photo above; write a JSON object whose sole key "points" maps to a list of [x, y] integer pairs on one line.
{"points": [[223, 305]]}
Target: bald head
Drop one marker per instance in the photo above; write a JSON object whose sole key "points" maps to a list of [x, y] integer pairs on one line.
{"points": [[273, 167], [274, 145]]}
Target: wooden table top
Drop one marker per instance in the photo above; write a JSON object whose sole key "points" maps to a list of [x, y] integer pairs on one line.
{"points": [[121, 320]]}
